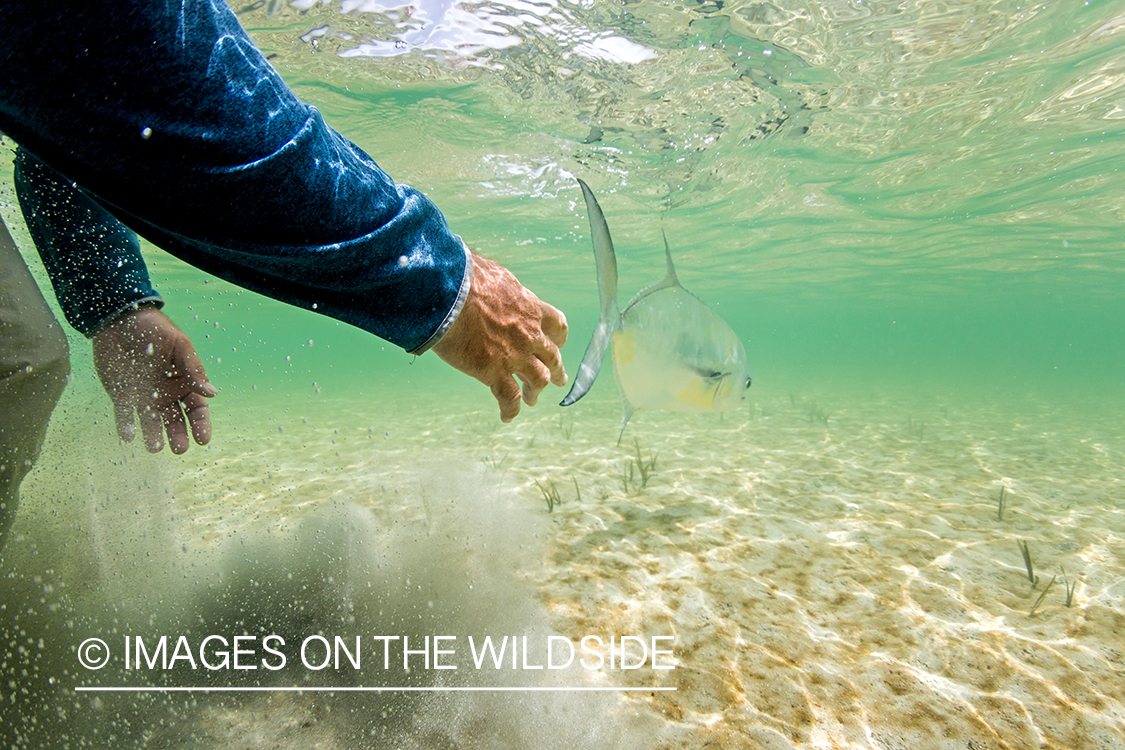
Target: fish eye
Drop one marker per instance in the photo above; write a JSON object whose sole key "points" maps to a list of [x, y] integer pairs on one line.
{"points": [[749, 380]]}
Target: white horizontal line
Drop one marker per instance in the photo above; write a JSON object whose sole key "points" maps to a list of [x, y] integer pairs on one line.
{"points": [[322, 689]]}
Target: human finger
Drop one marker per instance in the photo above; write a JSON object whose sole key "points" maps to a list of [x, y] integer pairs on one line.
{"points": [[123, 418], [175, 427], [507, 394], [550, 357], [553, 323], [535, 376], [152, 427], [199, 417]]}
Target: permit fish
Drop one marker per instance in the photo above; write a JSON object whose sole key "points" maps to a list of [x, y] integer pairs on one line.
{"points": [[670, 351]]}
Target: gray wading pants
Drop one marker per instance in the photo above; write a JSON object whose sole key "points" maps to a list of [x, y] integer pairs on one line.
{"points": [[34, 364]]}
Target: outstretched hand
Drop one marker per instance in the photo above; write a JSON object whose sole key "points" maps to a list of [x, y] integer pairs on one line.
{"points": [[505, 332], [149, 368]]}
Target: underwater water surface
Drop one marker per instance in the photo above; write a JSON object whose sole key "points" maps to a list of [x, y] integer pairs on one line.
{"points": [[912, 534]]}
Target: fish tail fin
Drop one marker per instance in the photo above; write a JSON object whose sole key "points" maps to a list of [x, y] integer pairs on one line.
{"points": [[591, 362], [604, 257], [606, 262]]}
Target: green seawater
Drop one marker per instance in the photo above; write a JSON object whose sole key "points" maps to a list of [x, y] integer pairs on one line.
{"points": [[866, 194], [911, 212]]}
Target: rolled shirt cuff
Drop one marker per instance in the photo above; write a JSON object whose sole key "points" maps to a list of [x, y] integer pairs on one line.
{"points": [[155, 301], [458, 304]]}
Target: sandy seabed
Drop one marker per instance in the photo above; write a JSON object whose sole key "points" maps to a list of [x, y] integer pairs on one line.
{"points": [[834, 572]]}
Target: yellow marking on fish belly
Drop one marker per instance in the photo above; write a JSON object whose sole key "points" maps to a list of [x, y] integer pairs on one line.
{"points": [[624, 349]]}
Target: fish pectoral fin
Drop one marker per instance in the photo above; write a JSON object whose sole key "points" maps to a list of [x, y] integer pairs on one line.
{"points": [[718, 388], [711, 376], [702, 391], [715, 383]]}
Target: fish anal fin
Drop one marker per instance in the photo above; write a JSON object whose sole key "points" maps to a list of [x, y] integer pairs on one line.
{"points": [[629, 409]]}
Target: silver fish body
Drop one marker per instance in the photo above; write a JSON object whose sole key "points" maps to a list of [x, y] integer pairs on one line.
{"points": [[670, 351]]}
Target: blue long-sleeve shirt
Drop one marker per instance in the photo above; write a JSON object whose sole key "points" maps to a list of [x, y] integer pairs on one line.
{"points": [[165, 116]]}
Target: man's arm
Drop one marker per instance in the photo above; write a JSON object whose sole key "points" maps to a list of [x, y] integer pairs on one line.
{"points": [[147, 365], [170, 118], [93, 260]]}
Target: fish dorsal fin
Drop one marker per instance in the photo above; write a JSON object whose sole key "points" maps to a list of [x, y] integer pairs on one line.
{"points": [[670, 279], [606, 262]]}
